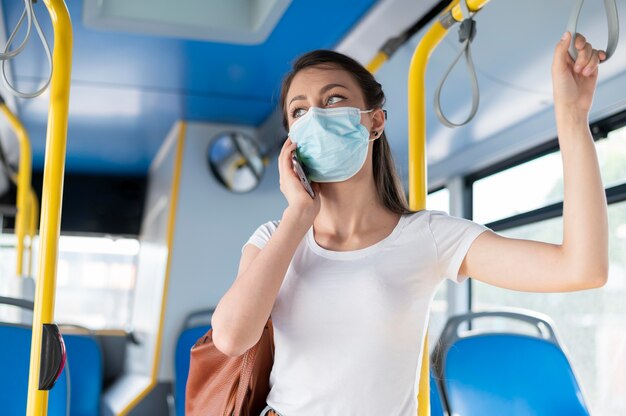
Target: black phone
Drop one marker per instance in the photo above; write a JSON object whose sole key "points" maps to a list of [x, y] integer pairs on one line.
{"points": [[300, 172]]}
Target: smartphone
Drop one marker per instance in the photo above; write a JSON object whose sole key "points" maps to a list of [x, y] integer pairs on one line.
{"points": [[300, 172]]}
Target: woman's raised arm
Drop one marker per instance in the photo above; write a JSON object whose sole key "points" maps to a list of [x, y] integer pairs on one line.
{"points": [[581, 261]]}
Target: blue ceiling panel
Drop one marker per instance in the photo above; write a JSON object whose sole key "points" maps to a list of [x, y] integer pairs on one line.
{"points": [[128, 89], [226, 110], [101, 56], [106, 130]]}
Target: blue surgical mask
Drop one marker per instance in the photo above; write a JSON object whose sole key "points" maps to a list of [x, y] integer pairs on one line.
{"points": [[331, 142]]}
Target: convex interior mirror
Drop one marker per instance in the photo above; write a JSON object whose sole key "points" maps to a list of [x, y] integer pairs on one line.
{"points": [[236, 161]]}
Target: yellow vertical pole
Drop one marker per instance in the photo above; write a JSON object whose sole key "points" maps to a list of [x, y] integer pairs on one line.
{"points": [[417, 166], [418, 183], [23, 184], [32, 228], [54, 168]]}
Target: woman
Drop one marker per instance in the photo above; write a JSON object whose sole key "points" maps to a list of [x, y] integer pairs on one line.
{"points": [[348, 276]]}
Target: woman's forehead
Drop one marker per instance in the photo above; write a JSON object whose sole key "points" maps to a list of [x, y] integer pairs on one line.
{"points": [[311, 80]]}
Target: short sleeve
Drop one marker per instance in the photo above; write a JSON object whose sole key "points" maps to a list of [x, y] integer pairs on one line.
{"points": [[453, 237], [262, 235]]}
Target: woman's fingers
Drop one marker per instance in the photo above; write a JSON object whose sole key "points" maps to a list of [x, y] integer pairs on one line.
{"points": [[580, 41], [592, 66], [290, 184], [286, 144], [284, 159], [588, 58], [562, 61], [286, 149], [585, 53], [280, 158]]}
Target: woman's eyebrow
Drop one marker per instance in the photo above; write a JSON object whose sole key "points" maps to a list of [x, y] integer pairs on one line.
{"points": [[322, 91], [297, 97], [330, 87]]}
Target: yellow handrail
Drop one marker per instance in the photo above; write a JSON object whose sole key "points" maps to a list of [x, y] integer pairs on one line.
{"points": [[54, 168], [377, 62], [33, 210], [417, 167], [32, 213], [23, 184], [473, 6], [418, 183]]}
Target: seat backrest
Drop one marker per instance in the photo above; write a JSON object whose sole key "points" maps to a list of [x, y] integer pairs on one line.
{"points": [[195, 326], [15, 363], [85, 357], [436, 404], [509, 373]]}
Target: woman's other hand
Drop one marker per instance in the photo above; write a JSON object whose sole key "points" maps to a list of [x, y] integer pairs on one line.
{"points": [[574, 82], [300, 202]]}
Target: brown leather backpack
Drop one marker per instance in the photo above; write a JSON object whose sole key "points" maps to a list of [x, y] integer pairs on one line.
{"points": [[219, 385]]}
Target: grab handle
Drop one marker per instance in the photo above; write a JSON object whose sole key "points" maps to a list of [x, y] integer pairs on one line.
{"points": [[613, 26]]}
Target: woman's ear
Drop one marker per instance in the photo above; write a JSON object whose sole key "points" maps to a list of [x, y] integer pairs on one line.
{"points": [[378, 122]]}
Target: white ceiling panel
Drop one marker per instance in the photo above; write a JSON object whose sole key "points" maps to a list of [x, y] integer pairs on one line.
{"points": [[387, 19]]}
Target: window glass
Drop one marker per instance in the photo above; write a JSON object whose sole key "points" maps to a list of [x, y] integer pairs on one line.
{"points": [[612, 157], [7, 256], [95, 279], [592, 323], [519, 189], [539, 182], [439, 200]]}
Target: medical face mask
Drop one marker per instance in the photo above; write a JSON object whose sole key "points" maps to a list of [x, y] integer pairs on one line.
{"points": [[331, 142]]}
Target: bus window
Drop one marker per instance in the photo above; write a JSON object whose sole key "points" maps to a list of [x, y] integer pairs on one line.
{"points": [[95, 280], [439, 200], [521, 188], [612, 157]]}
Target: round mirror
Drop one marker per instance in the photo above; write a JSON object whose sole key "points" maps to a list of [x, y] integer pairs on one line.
{"points": [[236, 161]]}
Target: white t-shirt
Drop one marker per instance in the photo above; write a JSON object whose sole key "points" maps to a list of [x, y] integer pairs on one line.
{"points": [[349, 325]]}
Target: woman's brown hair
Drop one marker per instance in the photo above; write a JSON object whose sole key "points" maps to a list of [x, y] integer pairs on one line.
{"points": [[387, 181]]}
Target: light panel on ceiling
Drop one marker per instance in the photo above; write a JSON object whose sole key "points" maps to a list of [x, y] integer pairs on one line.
{"points": [[233, 21]]}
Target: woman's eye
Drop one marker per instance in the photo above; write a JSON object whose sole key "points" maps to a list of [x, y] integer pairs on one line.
{"points": [[334, 99], [298, 112]]}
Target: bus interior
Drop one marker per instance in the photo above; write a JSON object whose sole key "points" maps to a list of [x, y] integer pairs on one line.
{"points": [[131, 182]]}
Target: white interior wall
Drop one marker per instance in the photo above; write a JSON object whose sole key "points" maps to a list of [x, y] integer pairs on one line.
{"points": [[149, 284]]}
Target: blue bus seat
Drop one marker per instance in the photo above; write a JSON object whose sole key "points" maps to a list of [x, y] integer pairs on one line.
{"points": [[436, 404], [195, 326], [15, 363], [85, 357], [512, 374]]}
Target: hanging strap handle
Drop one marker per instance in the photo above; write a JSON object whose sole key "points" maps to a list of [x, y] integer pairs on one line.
{"points": [[613, 26], [467, 31], [32, 20]]}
